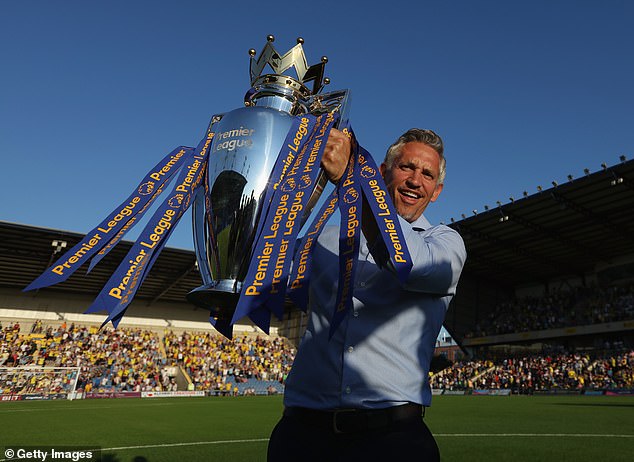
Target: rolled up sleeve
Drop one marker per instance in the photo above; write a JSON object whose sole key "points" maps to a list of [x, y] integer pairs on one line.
{"points": [[438, 255]]}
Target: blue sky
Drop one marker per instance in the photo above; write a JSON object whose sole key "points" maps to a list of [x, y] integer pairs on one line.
{"points": [[92, 94]]}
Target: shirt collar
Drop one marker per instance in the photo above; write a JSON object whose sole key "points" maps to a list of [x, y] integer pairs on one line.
{"points": [[421, 224]]}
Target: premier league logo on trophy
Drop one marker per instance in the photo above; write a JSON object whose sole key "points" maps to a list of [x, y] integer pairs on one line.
{"points": [[253, 181]]}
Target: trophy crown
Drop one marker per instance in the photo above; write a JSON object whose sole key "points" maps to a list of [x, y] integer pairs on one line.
{"points": [[279, 63]]}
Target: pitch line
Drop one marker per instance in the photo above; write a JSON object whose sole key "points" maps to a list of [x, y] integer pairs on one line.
{"points": [[193, 443], [261, 440]]}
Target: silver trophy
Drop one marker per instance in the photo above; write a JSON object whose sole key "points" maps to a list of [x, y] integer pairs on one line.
{"points": [[245, 147]]}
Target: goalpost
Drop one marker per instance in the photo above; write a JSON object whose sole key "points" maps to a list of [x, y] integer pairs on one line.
{"points": [[35, 382]]}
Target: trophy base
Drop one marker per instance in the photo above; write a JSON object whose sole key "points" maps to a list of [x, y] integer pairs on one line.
{"points": [[219, 298]]}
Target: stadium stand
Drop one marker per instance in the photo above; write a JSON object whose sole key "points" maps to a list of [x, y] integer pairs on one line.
{"points": [[539, 373], [212, 361], [138, 360], [565, 308], [128, 359]]}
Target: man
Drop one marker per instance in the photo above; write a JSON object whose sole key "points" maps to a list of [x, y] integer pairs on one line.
{"points": [[360, 395]]}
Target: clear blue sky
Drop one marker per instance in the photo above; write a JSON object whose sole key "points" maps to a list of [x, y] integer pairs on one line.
{"points": [[92, 94]]}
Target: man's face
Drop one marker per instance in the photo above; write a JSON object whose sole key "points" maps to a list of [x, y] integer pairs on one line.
{"points": [[412, 179]]}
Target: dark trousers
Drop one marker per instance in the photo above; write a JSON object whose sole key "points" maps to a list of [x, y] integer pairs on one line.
{"points": [[297, 440]]}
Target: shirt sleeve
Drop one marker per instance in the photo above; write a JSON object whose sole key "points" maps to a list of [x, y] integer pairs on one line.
{"points": [[438, 255]]}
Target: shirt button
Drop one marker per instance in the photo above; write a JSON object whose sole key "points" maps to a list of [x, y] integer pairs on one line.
{"points": [[350, 349], [348, 390], [355, 314]]}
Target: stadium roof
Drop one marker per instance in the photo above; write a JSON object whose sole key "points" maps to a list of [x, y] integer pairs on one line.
{"points": [[27, 251], [564, 230], [568, 229]]}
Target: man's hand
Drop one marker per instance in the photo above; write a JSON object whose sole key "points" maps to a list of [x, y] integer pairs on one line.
{"points": [[336, 155]]}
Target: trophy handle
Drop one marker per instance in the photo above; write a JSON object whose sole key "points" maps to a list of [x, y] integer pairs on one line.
{"points": [[328, 102], [199, 225], [334, 101]]}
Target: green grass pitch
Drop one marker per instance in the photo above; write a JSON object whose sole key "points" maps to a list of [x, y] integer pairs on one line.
{"points": [[467, 428]]}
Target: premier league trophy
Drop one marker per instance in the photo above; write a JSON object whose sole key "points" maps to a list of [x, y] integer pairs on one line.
{"points": [[247, 145], [253, 181]]}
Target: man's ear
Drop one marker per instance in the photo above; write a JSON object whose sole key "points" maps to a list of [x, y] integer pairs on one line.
{"points": [[383, 169], [436, 193]]}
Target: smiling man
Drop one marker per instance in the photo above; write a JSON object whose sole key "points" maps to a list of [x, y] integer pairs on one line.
{"points": [[414, 172], [361, 394]]}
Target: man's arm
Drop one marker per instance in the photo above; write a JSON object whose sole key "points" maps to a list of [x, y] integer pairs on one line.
{"points": [[438, 256]]}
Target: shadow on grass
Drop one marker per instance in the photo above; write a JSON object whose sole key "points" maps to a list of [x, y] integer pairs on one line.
{"points": [[113, 458]]}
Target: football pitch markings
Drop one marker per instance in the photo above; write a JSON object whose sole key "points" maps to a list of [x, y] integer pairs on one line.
{"points": [[452, 435], [441, 435], [77, 408], [260, 440], [193, 443]]}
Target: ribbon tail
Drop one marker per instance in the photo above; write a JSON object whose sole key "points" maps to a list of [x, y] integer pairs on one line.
{"points": [[223, 326], [261, 317], [129, 225], [244, 308], [115, 318], [96, 239]]}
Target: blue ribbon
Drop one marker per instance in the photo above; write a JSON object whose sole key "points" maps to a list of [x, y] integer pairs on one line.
{"points": [[267, 276], [102, 234], [122, 286], [350, 205], [302, 261], [129, 225], [385, 215]]}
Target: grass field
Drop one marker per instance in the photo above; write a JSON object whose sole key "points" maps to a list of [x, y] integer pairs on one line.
{"points": [[467, 428]]}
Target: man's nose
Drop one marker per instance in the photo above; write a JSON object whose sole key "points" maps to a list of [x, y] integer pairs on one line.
{"points": [[414, 180]]}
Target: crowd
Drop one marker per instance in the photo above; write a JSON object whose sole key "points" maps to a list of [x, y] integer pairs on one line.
{"points": [[530, 373], [564, 308], [110, 360], [129, 359], [25, 381], [214, 362]]}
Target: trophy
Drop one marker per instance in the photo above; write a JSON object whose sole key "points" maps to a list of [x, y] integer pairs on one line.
{"points": [[247, 145]]}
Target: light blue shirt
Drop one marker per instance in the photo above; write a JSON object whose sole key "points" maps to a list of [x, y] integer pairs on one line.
{"points": [[380, 354]]}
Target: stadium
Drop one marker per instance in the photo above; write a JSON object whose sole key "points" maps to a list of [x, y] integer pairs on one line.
{"points": [[541, 347]]}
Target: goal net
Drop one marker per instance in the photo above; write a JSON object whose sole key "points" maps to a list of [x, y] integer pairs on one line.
{"points": [[32, 382]]}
